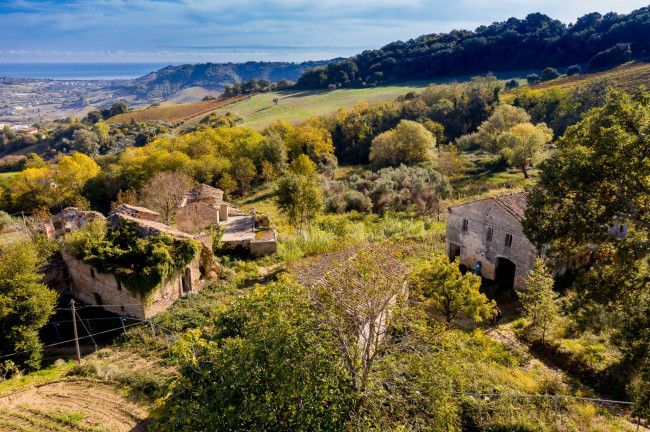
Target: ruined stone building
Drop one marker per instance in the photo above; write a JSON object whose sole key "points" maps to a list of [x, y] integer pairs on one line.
{"points": [[89, 285], [487, 233], [201, 208], [69, 219]]}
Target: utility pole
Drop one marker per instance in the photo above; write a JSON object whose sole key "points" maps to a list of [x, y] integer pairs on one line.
{"points": [[74, 327]]}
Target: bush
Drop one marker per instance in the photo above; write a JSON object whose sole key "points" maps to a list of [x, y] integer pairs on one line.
{"points": [[357, 201], [5, 220], [573, 70], [616, 55], [513, 83], [532, 78], [549, 74]]}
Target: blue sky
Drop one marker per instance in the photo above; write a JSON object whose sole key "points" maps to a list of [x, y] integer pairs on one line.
{"points": [[190, 31]]}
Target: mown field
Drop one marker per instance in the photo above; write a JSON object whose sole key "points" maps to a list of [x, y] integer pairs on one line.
{"points": [[173, 113], [626, 77], [294, 105]]}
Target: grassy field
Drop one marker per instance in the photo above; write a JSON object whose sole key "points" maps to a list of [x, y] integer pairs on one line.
{"points": [[626, 77], [295, 105], [173, 113], [8, 175]]}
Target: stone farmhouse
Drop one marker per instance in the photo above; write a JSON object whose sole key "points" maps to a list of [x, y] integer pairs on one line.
{"points": [[201, 207], [488, 234]]}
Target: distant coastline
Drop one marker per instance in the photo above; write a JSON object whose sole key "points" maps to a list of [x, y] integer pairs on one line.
{"points": [[78, 71]]}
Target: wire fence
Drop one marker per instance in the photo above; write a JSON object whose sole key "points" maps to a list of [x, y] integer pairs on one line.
{"points": [[60, 333]]}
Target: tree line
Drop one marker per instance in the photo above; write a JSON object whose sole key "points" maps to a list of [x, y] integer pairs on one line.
{"points": [[534, 42]]}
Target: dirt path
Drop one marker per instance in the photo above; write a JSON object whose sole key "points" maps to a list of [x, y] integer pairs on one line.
{"points": [[72, 404]]}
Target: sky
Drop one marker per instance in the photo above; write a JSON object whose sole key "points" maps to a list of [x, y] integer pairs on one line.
{"points": [[192, 31]]}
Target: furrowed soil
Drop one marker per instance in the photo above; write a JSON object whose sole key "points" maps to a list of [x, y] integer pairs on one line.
{"points": [[72, 404]]}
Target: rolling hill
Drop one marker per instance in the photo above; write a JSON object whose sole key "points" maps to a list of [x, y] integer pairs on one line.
{"points": [[168, 81], [626, 77], [174, 112]]}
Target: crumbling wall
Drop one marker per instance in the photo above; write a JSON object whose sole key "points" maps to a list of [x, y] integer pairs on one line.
{"points": [[195, 217], [92, 287]]}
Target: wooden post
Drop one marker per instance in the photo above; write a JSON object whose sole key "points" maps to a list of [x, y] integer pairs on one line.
{"points": [[74, 327], [122, 321], [153, 331], [555, 407], [480, 414]]}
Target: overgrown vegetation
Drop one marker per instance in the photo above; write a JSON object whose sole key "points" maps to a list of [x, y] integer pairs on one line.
{"points": [[140, 263]]}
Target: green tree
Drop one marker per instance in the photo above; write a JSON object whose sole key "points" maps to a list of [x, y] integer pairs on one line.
{"points": [[300, 198], [34, 161], [598, 179], [539, 300], [243, 171], [451, 293], [502, 119], [303, 166], [549, 74], [524, 144], [101, 129], [281, 358], [268, 172], [85, 142], [25, 303], [227, 184]]}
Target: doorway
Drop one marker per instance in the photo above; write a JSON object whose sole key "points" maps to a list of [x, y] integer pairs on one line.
{"points": [[454, 251], [187, 280], [505, 272]]}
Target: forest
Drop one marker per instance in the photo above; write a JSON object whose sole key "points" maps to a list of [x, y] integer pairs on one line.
{"points": [[535, 42]]}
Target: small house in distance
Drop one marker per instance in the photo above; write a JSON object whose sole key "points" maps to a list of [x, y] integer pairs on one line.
{"points": [[487, 233]]}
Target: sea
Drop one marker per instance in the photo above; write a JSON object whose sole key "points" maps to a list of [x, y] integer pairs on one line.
{"points": [[78, 71]]}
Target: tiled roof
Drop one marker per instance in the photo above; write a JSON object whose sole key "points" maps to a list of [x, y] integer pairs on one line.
{"points": [[514, 203]]}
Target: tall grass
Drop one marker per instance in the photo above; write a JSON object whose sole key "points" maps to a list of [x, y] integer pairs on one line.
{"points": [[334, 232]]}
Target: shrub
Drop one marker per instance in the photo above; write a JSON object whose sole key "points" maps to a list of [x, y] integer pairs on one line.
{"points": [[513, 83], [5, 220], [614, 56], [549, 74], [573, 70], [357, 201], [532, 78]]}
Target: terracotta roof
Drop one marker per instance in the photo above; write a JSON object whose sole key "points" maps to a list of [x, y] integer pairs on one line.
{"points": [[514, 203]]}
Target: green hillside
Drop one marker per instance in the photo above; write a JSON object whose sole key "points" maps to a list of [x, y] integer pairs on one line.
{"points": [[295, 105]]}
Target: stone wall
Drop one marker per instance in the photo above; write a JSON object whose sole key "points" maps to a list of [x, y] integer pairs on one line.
{"points": [[265, 242], [475, 247], [56, 277], [93, 287], [195, 217]]}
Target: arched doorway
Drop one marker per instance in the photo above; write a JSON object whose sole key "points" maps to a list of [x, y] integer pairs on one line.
{"points": [[505, 272]]}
